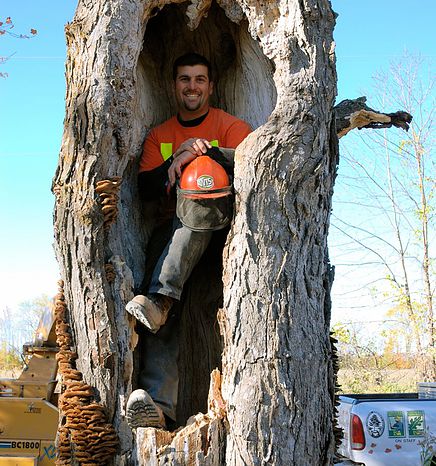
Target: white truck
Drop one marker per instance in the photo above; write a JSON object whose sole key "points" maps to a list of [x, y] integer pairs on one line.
{"points": [[388, 429]]}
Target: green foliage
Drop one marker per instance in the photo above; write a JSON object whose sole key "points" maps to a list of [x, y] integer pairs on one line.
{"points": [[373, 363], [360, 380], [30, 312], [9, 358], [341, 332]]}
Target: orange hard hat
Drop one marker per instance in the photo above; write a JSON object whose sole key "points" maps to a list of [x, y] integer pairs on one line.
{"points": [[204, 195], [204, 178]]}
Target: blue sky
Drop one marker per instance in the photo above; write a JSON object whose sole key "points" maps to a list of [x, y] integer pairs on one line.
{"points": [[31, 119], [368, 34]]}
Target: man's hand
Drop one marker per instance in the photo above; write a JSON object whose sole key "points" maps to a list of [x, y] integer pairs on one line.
{"points": [[197, 146], [175, 169]]}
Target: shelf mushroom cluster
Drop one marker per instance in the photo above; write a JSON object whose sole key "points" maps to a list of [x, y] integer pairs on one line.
{"points": [[109, 270], [108, 193], [84, 435]]}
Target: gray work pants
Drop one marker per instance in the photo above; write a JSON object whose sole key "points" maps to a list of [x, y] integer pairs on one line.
{"points": [[178, 259], [159, 376]]}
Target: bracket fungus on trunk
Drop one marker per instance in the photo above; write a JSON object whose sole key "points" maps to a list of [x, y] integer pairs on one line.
{"points": [[84, 434]]}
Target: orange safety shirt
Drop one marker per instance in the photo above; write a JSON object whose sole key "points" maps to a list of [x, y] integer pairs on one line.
{"points": [[219, 128]]}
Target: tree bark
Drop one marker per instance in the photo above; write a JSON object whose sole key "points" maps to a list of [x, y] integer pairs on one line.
{"points": [[277, 379], [274, 67]]}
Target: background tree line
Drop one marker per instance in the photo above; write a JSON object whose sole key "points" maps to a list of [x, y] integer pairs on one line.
{"points": [[383, 235], [18, 326]]}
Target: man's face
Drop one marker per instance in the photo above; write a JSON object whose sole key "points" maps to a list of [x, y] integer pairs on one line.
{"points": [[192, 90]]}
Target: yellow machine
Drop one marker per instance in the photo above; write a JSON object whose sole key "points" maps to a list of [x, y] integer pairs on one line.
{"points": [[28, 412]]}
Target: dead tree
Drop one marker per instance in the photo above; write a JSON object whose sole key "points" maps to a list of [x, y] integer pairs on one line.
{"points": [[274, 67]]}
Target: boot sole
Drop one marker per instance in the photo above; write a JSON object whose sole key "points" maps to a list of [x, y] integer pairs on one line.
{"points": [[143, 413]]}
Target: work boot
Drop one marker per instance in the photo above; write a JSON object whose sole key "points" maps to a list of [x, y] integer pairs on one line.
{"points": [[142, 411], [151, 310]]}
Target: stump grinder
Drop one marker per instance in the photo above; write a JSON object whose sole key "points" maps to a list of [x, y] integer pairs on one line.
{"points": [[28, 412]]}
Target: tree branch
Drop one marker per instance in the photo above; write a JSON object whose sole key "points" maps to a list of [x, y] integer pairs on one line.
{"points": [[355, 113]]}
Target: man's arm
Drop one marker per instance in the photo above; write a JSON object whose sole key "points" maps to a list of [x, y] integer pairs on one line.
{"points": [[196, 146], [154, 176], [152, 184], [175, 170]]}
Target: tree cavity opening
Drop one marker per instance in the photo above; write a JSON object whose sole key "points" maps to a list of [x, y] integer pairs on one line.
{"points": [[244, 87], [242, 74]]}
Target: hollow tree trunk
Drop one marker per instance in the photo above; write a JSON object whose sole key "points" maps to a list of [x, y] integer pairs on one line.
{"points": [[277, 277], [274, 67]]}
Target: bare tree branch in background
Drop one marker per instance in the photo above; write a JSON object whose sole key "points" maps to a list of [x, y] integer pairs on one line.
{"points": [[6, 27], [18, 326], [392, 186]]}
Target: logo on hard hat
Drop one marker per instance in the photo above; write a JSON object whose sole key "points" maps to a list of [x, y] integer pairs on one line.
{"points": [[205, 182]]}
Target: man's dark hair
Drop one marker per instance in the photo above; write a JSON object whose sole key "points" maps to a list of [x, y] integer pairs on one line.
{"points": [[192, 59]]}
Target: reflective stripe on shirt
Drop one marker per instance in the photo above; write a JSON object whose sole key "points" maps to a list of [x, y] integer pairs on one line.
{"points": [[166, 150]]}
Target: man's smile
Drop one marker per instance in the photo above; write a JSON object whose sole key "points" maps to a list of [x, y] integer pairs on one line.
{"points": [[192, 91]]}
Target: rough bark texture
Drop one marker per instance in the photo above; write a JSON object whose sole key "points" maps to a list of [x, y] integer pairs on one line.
{"points": [[274, 67], [277, 276]]}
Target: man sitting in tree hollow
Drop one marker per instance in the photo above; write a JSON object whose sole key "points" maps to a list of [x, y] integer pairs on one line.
{"points": [[197, 129]]}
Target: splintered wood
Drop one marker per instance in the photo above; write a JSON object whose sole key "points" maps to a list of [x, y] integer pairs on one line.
{"points": [[84, 435], [216, 404], [197, 443]]}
